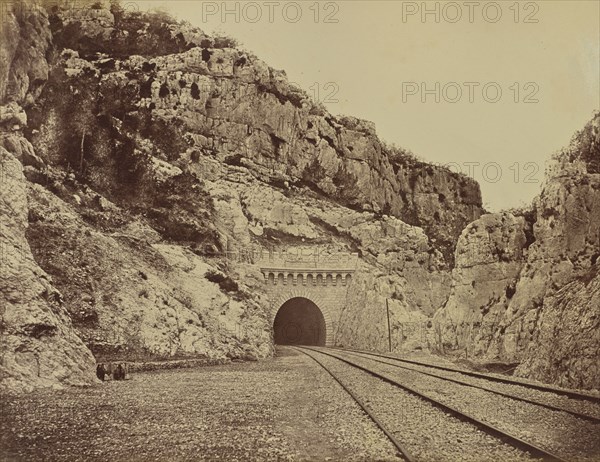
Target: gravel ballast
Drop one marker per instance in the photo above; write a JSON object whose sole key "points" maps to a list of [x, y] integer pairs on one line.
{"points": [[546, 397], [558, 432], [287, 408], [427, 432]]}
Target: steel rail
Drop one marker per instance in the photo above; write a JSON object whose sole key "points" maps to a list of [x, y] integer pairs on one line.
{"points": [[480, 387], [403, 451], [514, 441], [558, 391]]}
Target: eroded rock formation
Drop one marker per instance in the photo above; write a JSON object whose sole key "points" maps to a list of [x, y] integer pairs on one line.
{"points": [[489, 259], [145, 158], [149, 149], [38, 344], [521, 283], [565, 346]]}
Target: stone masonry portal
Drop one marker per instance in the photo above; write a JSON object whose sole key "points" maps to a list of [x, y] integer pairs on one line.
{"points": [[307, 290]]}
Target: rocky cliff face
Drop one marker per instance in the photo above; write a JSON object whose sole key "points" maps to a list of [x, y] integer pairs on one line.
{"points": [[148, 158], [565, 346], [114, 286], [195, 98], [521, 281], [134, 296], [150, 151], [38, 343], [26, 39], [489, 259]]}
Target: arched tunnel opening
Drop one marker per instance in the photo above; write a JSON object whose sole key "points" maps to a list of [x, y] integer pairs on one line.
{"points": [[299, 322]]}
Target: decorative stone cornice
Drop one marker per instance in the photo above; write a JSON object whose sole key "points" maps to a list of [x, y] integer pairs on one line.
{"points": [[308, 267], [282, 276]]}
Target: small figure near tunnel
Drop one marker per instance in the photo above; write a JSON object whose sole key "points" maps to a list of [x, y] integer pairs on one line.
{"points": [[299, 322]]}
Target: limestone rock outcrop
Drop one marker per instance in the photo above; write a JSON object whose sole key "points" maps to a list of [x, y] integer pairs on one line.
{"points": [[132, 298], [39, 346], [147, 161], [225, 104], [489, 258], [115, 286], [25, 38], [566, 343], [539, 275]]}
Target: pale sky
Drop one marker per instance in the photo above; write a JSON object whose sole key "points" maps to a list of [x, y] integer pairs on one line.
{"points": [[372, 59]]}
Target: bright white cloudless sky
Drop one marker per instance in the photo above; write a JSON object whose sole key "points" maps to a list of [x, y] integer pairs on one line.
{"points": [[371, 52]]}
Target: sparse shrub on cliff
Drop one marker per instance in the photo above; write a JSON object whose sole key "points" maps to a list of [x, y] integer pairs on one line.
{"points": [[511, 289], [585, 146], [195, 91], [235, 159], [318, 109], [181, 211], [348, 190], [398, 296], [89, 133], [71, 137], [224, 41], [529, 214], [313, 173], [167, 136], [96, 131], [146, 34], [399, 156], [164, 91], [226, 284]]}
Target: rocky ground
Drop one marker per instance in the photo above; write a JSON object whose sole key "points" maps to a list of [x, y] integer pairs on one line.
{"points": [[283, 408], [286, 408]]}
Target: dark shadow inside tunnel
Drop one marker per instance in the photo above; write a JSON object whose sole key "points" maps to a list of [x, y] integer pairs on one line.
{"points": [[299, 322]]}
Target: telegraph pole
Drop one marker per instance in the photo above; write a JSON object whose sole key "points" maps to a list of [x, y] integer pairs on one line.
{"points": [[387, 308]]}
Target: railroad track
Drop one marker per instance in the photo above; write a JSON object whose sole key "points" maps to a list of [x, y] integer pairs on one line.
{"points": [[401, 363], [559, 391], [532, 449], [401, 448]]}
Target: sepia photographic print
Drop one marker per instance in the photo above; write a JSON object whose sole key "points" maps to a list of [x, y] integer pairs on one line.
{"points": [[312, 230]]}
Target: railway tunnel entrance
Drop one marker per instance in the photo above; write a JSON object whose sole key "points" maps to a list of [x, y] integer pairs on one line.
{"points": [[299, 321]]}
